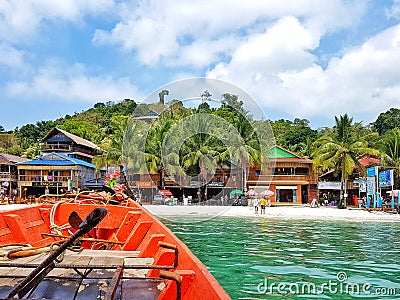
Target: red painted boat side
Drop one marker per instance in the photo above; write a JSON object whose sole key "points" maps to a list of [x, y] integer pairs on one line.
{"points": [[136, 227]]}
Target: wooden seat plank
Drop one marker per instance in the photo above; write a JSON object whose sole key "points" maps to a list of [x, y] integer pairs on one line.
{"points": [[136, 289], [94, 288], [64, 283], [113, 253], [69, 272], [138, 273], [7, 285], [56, 289]]}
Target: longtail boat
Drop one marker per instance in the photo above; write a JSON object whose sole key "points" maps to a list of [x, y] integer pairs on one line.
{"points": [[86, 248]]}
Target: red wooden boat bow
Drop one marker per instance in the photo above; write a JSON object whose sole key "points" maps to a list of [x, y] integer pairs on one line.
{"points": [[129, 254]]}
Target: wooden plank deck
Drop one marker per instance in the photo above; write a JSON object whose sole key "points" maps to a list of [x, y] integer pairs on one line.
{"points": [[63, 282]]}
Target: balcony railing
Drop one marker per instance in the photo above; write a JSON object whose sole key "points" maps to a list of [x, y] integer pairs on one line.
{"points": [[6, 176], [37, 178], [57, 147], [312, 178]]}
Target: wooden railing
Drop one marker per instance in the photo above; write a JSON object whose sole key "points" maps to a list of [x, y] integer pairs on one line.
{"points": [[6, 176], [37, 178], [311, 178], [57, 147]]}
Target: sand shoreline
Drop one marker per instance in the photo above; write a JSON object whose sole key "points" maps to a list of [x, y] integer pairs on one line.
{"points": [[281, 212]]}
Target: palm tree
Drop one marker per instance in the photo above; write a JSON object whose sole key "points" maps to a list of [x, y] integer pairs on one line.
{"points": [[143, 144], [390, 149], [112, 145], [304, 149], [339, 149]]}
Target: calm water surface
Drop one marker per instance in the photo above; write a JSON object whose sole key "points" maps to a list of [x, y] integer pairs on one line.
{"points": [[257, 258]]}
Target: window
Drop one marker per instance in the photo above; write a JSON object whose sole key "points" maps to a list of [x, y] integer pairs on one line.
{"points": [[302, 171], [283, 171]]}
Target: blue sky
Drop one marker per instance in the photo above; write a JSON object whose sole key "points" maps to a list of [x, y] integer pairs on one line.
{"points": [[301, 59]]}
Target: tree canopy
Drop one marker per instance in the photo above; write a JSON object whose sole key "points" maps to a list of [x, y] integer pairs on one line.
{"points": [[387, 120]]}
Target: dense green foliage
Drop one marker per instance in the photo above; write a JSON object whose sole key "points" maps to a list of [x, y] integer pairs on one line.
{"points": [[105, 124], [96, 124], [387, 120]]}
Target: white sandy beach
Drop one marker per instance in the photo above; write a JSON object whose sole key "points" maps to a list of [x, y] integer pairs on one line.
{"points": [[283, 212]]}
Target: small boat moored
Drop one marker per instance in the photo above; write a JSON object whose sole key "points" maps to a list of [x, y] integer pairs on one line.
{"points": [[119, 251]]}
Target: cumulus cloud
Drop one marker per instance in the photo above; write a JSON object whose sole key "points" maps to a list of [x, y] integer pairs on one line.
{"points": [[271, 50], [158, 31], [394, 10], [71, 84], [10, 56], [22, 22], [21, 19], [363, 81]]}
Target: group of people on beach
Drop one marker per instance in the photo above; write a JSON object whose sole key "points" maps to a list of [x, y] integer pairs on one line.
{"points": [[260, 203]]}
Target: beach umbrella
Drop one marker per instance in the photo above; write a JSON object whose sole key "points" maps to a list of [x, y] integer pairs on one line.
{"points": [[236, 192], [267, 193], [165, 193], [251, 193]]}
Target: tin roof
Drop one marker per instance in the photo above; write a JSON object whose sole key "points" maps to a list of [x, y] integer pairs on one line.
{"points": [[280, 152], [64, 160], [77, 139], [5, 157]]}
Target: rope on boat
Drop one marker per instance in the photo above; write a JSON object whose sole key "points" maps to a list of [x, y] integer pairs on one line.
{"points": [[25, 250], [57, 229], [124, 198], [100, 246], [103, 201]]}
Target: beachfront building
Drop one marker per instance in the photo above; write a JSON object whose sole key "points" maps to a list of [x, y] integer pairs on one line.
{"points": [[8, 174], [226, 178], [61, 141], [292, 178], [330, 184], [66, 164], [53, 173]]}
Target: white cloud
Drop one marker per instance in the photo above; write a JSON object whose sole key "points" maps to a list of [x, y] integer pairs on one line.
{"points": [[10, 56], [21, 19], [394, 11], [71, 84], [363, 82], [265, 47], [171, 30]]}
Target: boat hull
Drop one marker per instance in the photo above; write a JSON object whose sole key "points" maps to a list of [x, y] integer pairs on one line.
{"points": [[130, 253]]}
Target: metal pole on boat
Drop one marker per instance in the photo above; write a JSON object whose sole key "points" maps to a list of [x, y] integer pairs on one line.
{"points": [[175, 277]]}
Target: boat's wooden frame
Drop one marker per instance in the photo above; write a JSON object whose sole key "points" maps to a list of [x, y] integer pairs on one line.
{"points": [[142, 259]]}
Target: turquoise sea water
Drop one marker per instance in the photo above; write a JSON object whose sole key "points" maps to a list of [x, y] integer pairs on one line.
{"points": [[257, 258]]}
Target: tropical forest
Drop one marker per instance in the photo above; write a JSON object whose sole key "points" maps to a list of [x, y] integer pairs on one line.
{"points": [[105, 125]]}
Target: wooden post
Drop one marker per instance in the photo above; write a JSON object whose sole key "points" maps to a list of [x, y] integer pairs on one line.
{"points": [[9, 184]]}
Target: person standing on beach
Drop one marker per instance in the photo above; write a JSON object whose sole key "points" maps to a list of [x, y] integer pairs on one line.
{"points": [[263, 202], [314, 203], [325, 196], [256, 202]]}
